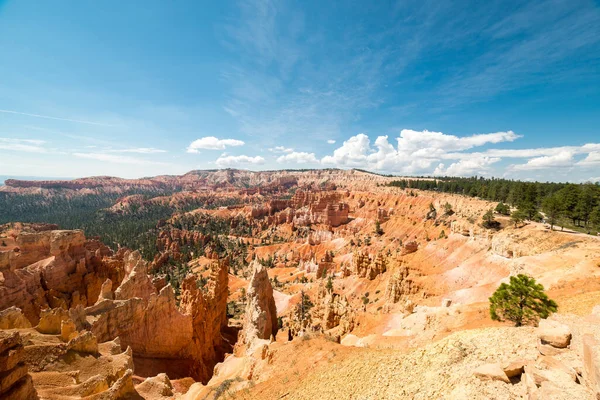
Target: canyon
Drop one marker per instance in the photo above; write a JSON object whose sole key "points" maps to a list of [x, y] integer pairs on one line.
{"points": [[287, 284]]}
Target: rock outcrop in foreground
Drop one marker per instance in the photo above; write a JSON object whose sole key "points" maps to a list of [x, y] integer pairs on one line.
{"points": [[15, 382]]}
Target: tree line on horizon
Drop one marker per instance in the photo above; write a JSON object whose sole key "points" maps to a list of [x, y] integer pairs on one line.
{"points": [[574, 205]]}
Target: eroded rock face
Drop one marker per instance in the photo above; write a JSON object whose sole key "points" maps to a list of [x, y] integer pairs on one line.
{"points": [[320, 207], [13, 318], [15, 381], [400, 285], [365, 267], [82, 294], [158, 328], [338, 314], [137, 283], [260, 320], [52, 269]]}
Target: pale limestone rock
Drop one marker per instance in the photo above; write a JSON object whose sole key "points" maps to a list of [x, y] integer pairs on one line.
{"points": [[591, 362], [554, 333], [492, 372], [514, 368]]}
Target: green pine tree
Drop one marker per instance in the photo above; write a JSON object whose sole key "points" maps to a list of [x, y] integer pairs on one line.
{"points": [[329, 285], [553, 209], [522, 301]]}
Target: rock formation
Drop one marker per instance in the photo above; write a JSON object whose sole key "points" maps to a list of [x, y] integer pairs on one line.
{"points": [[99, 297], [326, 266], [53, 269], [260, 319], [400, 285], [365, 267], [15, 382], [321, 207]]}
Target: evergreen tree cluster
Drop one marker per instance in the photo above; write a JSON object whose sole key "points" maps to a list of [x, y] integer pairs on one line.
{"points": [[572, 204]]}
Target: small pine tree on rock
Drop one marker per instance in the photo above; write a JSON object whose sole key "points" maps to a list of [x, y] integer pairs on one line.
{"points": [[521, 301], [329, 285]]}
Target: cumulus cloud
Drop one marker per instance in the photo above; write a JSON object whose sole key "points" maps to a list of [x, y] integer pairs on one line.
{"points": [[352, 153], [467, 167], [561, 159], [331, 141], [593, 158], [410, 140], [212, 143], [232, 161], [298, 158], [24, 145], [416, 151], [281, 149]]}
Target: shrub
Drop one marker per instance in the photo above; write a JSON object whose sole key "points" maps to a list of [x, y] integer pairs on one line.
{"points": [[503, 209], [329, 285], [522, 301], [448, 209]]}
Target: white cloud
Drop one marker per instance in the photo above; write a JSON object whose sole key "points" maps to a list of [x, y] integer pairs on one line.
{"points": [[593, 158], [118, 159], [281, 149], [475, 166], [562, 159], [353, 153], [298, 158], [212, 143], [410, 140], [24, 145], [139, 150], [232, 161], [417, 151], [331, 141]]}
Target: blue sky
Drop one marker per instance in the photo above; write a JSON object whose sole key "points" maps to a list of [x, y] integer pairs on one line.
{"points": [[143, 88]]}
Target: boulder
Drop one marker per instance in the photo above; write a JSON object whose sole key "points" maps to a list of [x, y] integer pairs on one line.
{"points": [[555, 365], [514, 368], [591, 363], [10, 358], [554, 333], [491, 372], [410, 247], [156, 387]]}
